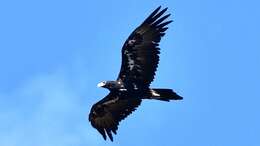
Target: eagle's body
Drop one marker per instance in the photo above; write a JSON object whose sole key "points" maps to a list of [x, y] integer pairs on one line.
{"points": [[140, 58]]}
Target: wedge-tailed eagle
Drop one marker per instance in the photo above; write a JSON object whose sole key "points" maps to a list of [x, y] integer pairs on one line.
{"points": [[140, 58]]}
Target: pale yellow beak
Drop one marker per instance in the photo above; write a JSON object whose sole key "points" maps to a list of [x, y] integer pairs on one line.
{"points": [[101, 84]]}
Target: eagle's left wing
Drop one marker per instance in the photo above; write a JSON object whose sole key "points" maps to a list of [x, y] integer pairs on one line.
{"points": [[106, 114]]}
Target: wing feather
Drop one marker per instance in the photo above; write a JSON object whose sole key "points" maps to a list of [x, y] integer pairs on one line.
{"points": [[106, 114], [140, 53]]}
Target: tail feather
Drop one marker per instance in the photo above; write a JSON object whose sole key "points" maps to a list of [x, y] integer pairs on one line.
{"points": [[164, 94]]}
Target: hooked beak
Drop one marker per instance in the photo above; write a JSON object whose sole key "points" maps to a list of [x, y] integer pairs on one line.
{"points": [[101, 84]]}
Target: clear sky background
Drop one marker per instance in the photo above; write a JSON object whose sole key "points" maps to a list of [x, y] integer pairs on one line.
{"points": [[53, 54]]}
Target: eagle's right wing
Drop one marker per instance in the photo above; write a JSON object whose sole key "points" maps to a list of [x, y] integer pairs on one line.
{"points": [[140, 53], [106, 114]]}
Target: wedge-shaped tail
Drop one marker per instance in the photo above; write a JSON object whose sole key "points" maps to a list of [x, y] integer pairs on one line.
{"points": [[163, 94]]}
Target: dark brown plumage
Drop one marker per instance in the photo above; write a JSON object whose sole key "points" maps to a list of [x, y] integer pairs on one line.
{"points": [[140, 58], [142, 49]]}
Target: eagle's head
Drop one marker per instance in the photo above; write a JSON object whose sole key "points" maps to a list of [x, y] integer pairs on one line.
{"points": [[109, 85]]}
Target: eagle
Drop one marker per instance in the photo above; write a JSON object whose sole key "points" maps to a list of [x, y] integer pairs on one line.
{"points": [[140, 58]]}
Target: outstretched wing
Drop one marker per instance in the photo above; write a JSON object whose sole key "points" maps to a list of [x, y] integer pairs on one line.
{"points": [[140, 53], [106, 114]]}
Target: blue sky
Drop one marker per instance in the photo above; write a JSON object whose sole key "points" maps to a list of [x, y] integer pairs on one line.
{"points": [[53, 53]]}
